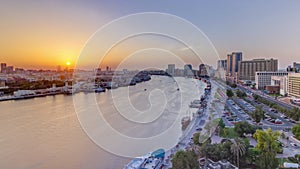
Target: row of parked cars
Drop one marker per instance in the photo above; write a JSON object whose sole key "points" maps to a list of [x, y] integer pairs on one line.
{"points": [[247, 105], [237, 114]]}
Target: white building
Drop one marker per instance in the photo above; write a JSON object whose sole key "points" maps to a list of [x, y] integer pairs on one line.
{"points": [[282, 82], [262, 79]]}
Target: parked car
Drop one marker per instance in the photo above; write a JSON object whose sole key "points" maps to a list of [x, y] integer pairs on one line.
{"points": [[294, 145]]}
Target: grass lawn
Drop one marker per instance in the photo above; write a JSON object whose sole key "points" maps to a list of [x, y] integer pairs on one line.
{"points": [[216, 121], [228, 133], [203, 138], [217, 96]]}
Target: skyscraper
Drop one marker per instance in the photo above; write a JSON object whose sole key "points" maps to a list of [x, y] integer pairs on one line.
{"points": [[222, 64], [171, 69], [188, 70], [229, 63], [233, 62], [3, 67], [247, 69], [202, 70], [236, 57]]}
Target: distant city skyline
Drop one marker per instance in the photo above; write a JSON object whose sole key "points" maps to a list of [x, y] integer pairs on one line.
{"points": [[45, 34]]}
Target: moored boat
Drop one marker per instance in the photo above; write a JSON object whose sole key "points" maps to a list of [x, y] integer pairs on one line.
{"points": [[152, 160]]}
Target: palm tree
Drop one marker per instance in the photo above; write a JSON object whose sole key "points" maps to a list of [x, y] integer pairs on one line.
{"points": [[238, 149]]}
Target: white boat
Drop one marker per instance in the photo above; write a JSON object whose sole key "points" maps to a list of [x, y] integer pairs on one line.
{"points": [[152, 160], [99, 90]]}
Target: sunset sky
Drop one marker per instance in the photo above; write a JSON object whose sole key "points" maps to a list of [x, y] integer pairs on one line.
{"points": [[44, 34]]}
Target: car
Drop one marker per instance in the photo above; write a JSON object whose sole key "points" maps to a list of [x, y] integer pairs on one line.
{"points": [[278, 122], [199, 129], [273, 110], [230, 119], [294, 144]]}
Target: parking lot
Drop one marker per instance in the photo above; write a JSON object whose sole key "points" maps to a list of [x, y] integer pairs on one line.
{"points": [[241, 110]]}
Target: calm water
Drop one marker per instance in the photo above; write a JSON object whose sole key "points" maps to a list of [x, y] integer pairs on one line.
{"points": [[45, 132]]}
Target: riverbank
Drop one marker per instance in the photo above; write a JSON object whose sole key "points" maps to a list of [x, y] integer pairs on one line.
{"points": [[7, 98], [197, 121]]}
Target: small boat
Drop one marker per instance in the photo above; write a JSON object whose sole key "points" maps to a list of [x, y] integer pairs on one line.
{"points": [[99, 90]]}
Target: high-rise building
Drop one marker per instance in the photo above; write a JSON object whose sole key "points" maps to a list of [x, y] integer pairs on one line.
{"points": [[232, 62], [296, 67], [188, 70], [171, 69], [236, 57], [263, 79], [229, 64], [202, 70], [247, 69], [222, 64], [294, 85], [3, 67]]}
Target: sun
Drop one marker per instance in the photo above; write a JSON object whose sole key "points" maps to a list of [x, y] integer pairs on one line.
{"points": [[68, 63]]}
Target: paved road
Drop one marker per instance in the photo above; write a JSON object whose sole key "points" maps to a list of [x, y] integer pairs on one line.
{"points": [[269, 98]]}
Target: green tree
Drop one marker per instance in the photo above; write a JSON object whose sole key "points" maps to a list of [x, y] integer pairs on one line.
{"points": [[233, 85], [242, 128], [258, 114], [185, 160], [238, 149], [240, 94], [268, 147], [256, 97], [196, 138], [229, 93], [216, 152], [252, 155], [221, 123], [296, 131]]}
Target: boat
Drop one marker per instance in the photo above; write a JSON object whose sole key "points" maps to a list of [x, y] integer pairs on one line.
{"points": [[152, 160], [195, 104], [110, 85], [99, 90]]}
